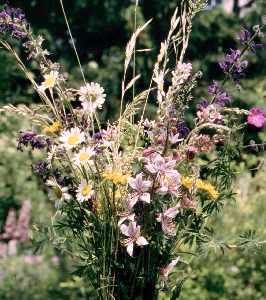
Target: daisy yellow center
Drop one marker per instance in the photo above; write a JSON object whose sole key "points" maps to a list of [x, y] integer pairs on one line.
{"points": [[73, 140], [84, 156], [93, 97], [86, 191], [49, 81]]}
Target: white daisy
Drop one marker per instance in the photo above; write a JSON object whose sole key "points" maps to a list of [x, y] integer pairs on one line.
{"points": [[49, 80], [84, 191], [58, 192], [92, 96], [72, 138], [84, 156]]}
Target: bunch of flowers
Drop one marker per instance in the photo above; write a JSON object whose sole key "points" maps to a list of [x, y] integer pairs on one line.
{"points": [[133, 204]]}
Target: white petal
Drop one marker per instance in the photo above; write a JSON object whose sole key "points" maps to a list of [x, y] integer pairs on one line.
{"points": [[141, 241], [130, 247]]}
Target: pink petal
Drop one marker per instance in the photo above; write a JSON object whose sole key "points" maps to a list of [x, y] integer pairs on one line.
{"points": [[141, 241], [124, 229], [171, 212], [145, 197]]}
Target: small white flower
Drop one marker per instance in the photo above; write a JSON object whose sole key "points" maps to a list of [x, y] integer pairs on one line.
{"points": [[72, 138], [84, 191], [49, 80], [58, 192], [84, 156], [92, 96]]}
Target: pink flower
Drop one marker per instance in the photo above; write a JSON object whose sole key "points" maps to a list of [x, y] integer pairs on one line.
{"points": [[256, 117], [170, 183], [126, 216], [187, 202], [140, 188], [209, 114], [132, 232], [159, 165], [164, 272], [166, 218]]}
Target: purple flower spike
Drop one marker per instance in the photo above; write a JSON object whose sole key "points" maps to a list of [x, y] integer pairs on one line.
{"points": [[13, 22], [221, 97], [30, 138], [233, 65], [256, 117], [244, 37]]}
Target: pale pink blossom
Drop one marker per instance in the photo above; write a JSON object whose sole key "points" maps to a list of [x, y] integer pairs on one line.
{"points": [[157, 164], [209, 114], [170, 183], [132, 232], [164, 272], [166, 219], [126, 216], [140, 188]]}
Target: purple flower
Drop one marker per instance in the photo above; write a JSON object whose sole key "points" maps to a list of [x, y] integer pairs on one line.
{"points": [[13, 22], [132, 232], [244, 37], [256, 117], [30, 138], [204, 103], [166, 219], [182, 129], [140, 188], [221, 98], [41, 169], [233, 65]]}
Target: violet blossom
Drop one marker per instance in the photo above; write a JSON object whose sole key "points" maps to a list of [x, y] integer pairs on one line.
{"points": [[244, 36], [233, 65], [13, 22], [132, 232], [30, 138], [221, 98], [140, 188]]}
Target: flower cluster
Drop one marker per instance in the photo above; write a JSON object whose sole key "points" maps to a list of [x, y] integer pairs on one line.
{"points": [[13, 22], [135, 189]]}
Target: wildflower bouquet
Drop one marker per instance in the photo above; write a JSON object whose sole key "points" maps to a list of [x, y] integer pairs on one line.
{"points": [[133, 198]]}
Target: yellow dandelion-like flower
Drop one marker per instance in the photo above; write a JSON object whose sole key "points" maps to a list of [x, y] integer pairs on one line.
{"points": [[116, 177], [207, 187], [54, 128], [200, 184], [187, 182]]}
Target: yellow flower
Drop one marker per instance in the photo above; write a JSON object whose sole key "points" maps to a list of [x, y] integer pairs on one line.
{"points": [[201, 185], [116, 177], [53, 128], [187, 182], [207, 187]]}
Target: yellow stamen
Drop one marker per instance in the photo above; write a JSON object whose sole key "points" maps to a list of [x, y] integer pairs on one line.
{"points": [[73, 140]]}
